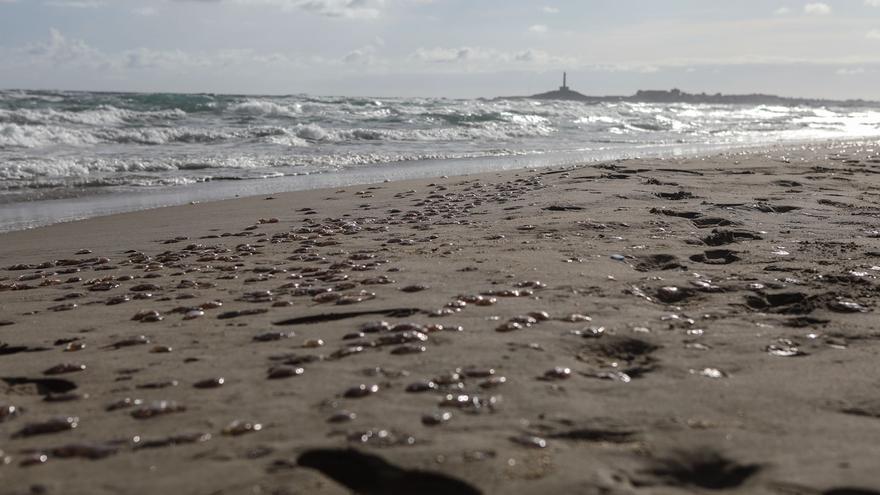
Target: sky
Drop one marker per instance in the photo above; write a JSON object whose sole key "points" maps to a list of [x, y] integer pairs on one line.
{"points": [[449, 48]]}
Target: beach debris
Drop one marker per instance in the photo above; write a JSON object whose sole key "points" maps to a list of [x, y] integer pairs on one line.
{"points": [[63, 368], [342, 417], [321, 318], [157, 408], [132, 341], [44, 386], [92, 451], [421, 386], [210, 383], [360, 391], [239, 427], [148, 316], [382, 437], [843, 306], [414, 288], [123, 404], [469, 403], [436, 418], [273, 336], [784, 348], [8, 412], [54, 425], [591, 434], [280, 372], [557, 373], [709, 373], [173, 440], [529, 441], [408, 349]]}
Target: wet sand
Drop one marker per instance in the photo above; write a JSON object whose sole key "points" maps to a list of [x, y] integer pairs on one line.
{"points": [[654, 326]]}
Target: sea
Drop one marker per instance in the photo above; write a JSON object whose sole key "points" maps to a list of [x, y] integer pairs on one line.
{"points": [[73, 155]]}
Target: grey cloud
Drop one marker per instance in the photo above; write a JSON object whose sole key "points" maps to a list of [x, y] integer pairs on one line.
{"points": [[363, 9]]}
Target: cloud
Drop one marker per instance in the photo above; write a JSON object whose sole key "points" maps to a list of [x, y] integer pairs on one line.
{"points": [[850, 71], [144, 11], [637, 68], [553, 10], [76, 4], [442, 55], [538, 28], [817, 8], [782, 11], [145, 58], [873, 34], [473, 59], [60, 50], [353, 9], [872, 3], [349, 9], [365, 55]]}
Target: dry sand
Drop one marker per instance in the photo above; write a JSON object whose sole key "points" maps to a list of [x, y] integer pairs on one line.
{"points": [[711, 327]]}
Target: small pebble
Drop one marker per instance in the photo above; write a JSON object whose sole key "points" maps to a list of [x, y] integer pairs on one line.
{"points": [[157, 408], [414, 288], [342, 417], [193, 314], [210, 383], [74, 346], [63, 368], [239, 427], [557, 373], [436, 418], [8, 412], [493, 382], [33, 459], [54, 425], [123, 404], [272, 336], [408, 349], [280, 372], [530, 441], [421, 386], [360, 391], [312, 343]]}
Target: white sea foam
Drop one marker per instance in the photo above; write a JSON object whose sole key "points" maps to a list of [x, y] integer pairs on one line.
{"points": [[33, 136], [101, 116], [265, 108]]}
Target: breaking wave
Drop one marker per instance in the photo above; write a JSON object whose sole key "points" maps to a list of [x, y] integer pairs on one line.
{"points": [[77, 139]]}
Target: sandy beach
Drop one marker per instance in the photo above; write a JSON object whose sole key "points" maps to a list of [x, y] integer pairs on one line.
{"points": [[680, 325]]}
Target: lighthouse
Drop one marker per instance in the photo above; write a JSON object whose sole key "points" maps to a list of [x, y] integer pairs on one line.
{"points": [[564, 86]]}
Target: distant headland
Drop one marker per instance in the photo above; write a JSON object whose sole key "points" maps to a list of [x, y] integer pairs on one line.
{"points": [[565, 93]]}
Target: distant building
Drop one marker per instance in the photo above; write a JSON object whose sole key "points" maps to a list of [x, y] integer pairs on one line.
{"points": [[564, 86], [563, 93]]}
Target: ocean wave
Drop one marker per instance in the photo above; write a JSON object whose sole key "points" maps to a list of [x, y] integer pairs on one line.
{"points": [[89, 182], [33, 136], [101, 116], [84, 140], [265, 108], [36, 136], [50, 172]]}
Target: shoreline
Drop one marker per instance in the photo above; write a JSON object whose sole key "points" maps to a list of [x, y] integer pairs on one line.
{"points": [[642, 326], [26, 215]]}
